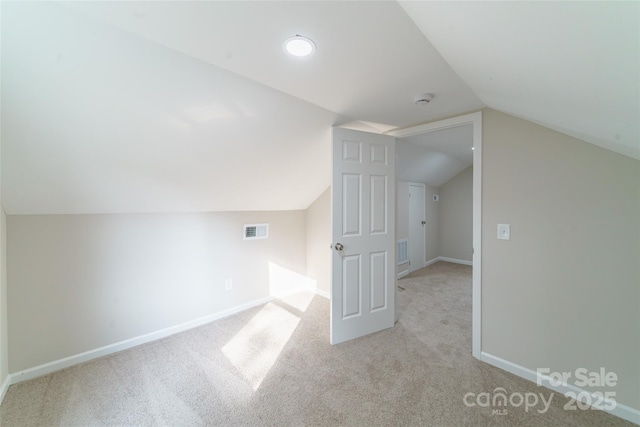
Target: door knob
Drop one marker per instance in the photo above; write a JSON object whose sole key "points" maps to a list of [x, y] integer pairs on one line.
{"points": [[339, 247]]}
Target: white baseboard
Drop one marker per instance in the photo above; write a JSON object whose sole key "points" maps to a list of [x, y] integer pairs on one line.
{"points": [[620, 410], [66, 362], [405, 271], [4, 387], [431, 261], [454, 260]]}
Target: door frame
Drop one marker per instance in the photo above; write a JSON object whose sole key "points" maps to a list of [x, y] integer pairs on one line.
{"points": [[475, 119], [424, 230]]}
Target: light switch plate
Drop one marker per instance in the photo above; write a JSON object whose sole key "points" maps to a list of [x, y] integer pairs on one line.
{"points": [[504, 231]]}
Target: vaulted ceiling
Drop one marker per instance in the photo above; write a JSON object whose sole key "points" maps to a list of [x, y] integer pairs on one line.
{"points": [[194, 106], [435, 157]]}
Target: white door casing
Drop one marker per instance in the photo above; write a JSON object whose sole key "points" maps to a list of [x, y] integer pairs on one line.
{"points": [[417, 239], [475, 119], [363, 227]]}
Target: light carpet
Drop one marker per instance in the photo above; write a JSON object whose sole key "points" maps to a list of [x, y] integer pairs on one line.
{"points": [[273, 365]]}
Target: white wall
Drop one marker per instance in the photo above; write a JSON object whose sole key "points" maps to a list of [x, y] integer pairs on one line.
{"points": [[564, 292], [79, 282], [318, 220], [456, 217]]}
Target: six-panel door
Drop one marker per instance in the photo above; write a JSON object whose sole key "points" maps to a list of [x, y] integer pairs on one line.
{"points": [[363, 222]]}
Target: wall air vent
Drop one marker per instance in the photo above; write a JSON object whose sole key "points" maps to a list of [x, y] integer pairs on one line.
{"points": [[403, 251], [256, 231]]}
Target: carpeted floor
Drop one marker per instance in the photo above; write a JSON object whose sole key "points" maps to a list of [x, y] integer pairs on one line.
{"points": [[273, 365]]}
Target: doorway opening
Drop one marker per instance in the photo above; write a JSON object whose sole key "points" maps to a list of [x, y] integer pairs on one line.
{"points": [[433, 155], [416, 227]]}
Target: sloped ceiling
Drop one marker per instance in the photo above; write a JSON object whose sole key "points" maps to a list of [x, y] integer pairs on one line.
{"points": [[435, 157], [572, 66], [193, 106]]}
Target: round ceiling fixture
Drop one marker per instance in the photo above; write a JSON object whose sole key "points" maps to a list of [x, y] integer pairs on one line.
{"points": [[299, 46]]}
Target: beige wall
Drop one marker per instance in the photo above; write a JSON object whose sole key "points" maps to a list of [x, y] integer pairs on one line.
{"points": [[4, 344], [79, 282], [318, 220], [4, 333], [564, 292], [432, 227], [402, 210], [456, 217]]}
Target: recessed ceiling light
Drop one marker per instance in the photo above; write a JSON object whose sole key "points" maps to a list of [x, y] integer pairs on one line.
{"points": [[299, 46]]}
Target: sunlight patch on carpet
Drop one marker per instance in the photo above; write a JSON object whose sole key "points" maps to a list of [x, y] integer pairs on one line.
{"points": [[255, 348]]}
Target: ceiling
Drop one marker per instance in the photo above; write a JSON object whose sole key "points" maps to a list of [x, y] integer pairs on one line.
{"points": [[193, 106], [572, 66], [435, 157]]}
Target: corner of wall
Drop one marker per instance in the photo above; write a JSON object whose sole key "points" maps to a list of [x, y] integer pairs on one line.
{"points": [[318, 229], [456, 213]]}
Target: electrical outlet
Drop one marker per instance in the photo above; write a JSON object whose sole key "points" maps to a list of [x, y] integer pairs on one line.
{"points": [[228, 285]]}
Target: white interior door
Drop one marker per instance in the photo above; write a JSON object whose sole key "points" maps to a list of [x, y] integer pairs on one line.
{"points": [[363, 234], [417, 237]]}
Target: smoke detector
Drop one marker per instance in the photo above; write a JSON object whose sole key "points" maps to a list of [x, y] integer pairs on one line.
{"points": [[423, 99]]}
